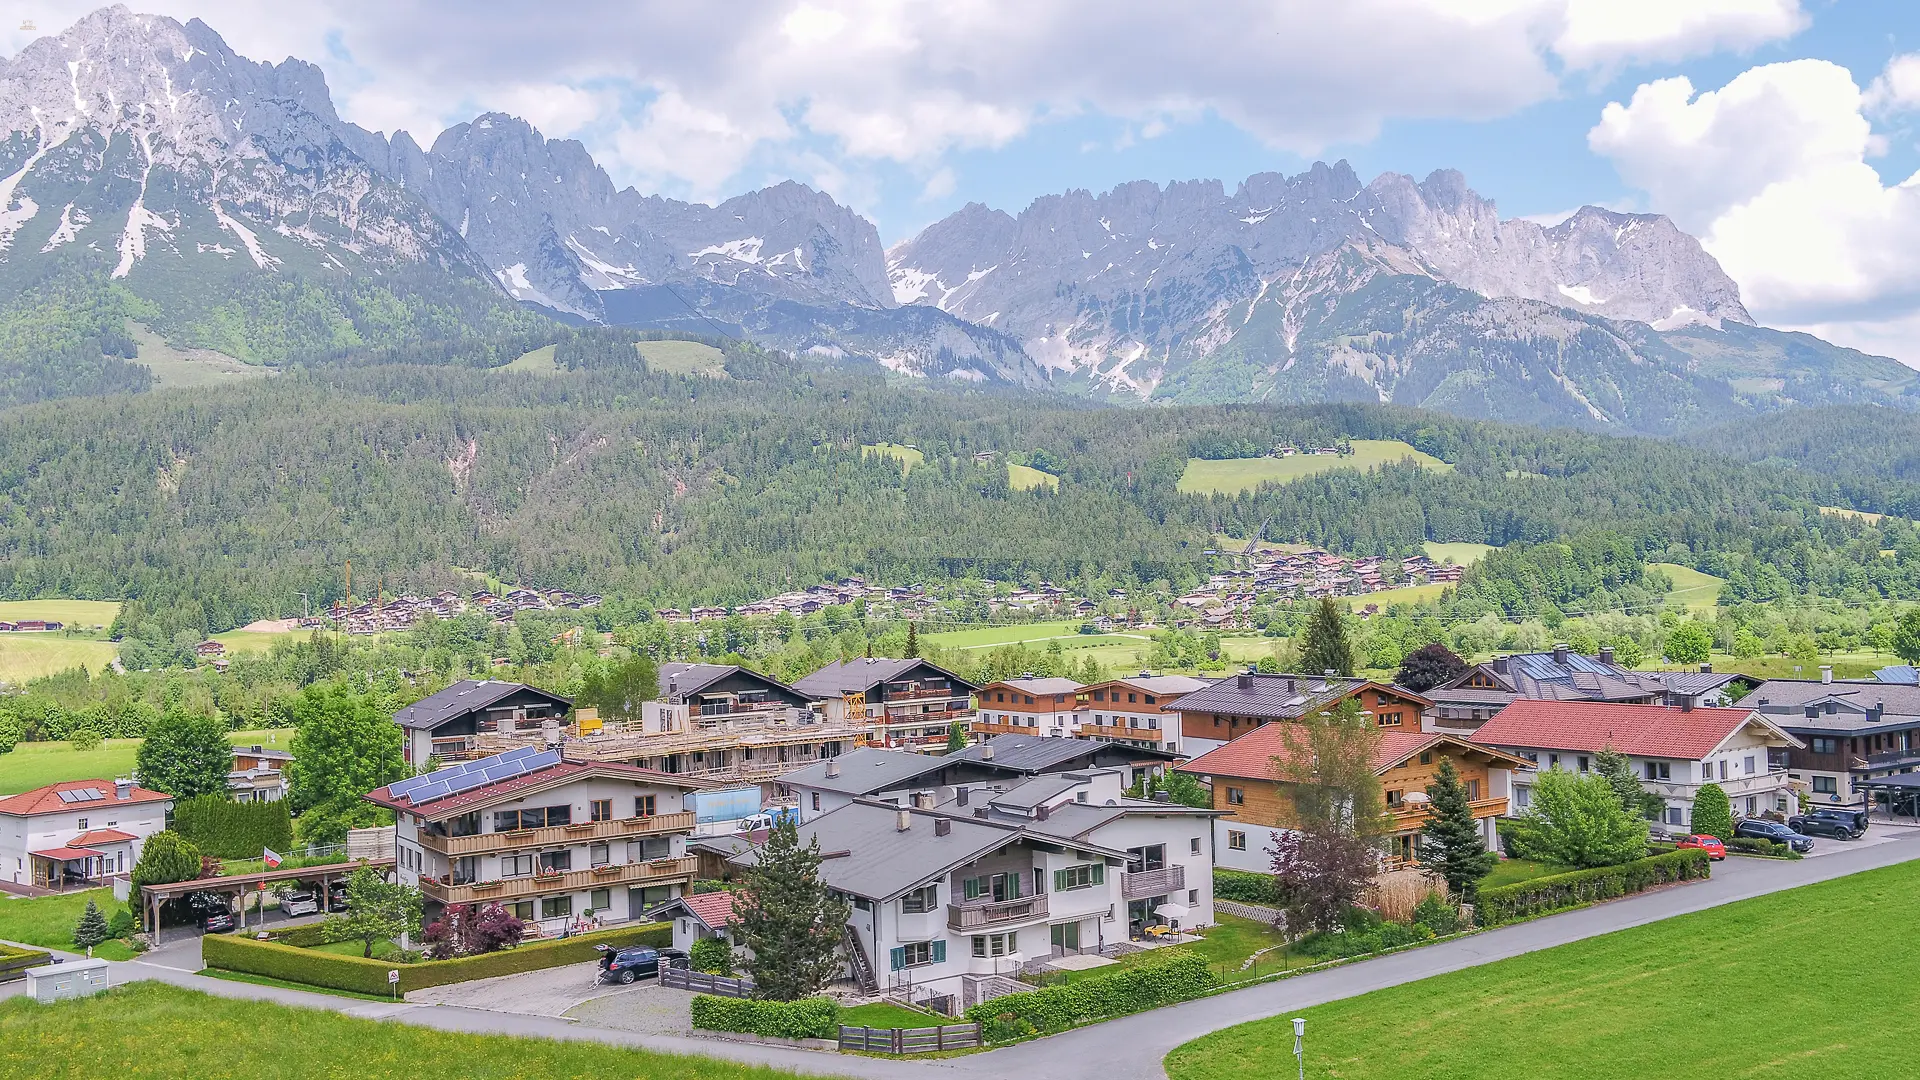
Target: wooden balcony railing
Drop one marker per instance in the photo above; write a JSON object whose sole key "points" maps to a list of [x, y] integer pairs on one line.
{"points": [[652, 872], [1167, 879], [976, 913], [1412, 815], [582, 833], [1129, 734]]}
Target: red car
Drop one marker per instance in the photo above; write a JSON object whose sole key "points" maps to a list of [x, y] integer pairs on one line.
{"points": [[1714, 848]]}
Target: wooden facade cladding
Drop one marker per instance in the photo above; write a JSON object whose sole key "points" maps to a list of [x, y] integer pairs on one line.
{"points": [[552, 835], [1392, 712]]}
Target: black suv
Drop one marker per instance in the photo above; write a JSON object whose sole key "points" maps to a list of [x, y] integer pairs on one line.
{"points": [[211, 912], [626, 965], [1760, 829], [1831, 821]]}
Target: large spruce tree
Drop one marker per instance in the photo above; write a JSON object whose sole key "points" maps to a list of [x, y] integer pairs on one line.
{"points": [[1326, 646], [1452, 848], [788, 919]]}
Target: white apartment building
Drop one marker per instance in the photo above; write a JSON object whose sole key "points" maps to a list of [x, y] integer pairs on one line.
{"points": [[75, 833], [550, 840]]}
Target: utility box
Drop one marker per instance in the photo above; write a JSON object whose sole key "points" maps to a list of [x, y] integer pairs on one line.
{"points": [[73, 979]]}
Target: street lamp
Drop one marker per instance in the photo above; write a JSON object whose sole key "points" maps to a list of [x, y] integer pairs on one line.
{"points": [[1299, 1047]]}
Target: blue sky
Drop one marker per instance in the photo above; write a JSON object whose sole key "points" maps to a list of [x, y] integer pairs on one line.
{"points": [[1783, 151]]}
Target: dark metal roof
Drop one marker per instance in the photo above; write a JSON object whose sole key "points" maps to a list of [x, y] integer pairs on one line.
{"points": [[840, 676], [462, 698], [686, 679], [866, 770], [1275, 697], [1040, 753]]}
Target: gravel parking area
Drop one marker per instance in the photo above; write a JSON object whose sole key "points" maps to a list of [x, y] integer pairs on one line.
{"points": [[643, 1008], [547, 992]]}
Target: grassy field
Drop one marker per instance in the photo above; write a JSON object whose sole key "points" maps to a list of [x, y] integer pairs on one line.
{"points": [[29, 656], [907, 456], [1460, 553], [1846, 665], [1863, 515], [1027, 478], [147, 1031], [1204, 476], [983, 636], [1691, 589], [1406, 594], [176, 368], [1226, 945], [683, 358], [87, 613], [37, 764], [48, 921], [538, 362], [250, 641], [1679, 999]]}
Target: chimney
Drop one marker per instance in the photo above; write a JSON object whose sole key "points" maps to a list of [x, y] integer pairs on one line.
{"points": [[986, 751], [1686, 704], [1290, 687], [1560, 652], [979, 811], [123, 789], [960, 796], [903, 821], [1500, 664], [1606, 654], [1706, 669], [833, 767], [1826, 673], [942, 826], [1245, 681], [1042, 812]]}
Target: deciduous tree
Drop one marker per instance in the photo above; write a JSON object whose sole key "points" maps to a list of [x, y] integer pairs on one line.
{"points": [[1689, 643], [1328, 847], [377, 910], [346, 746], [1581, 823], [185, 754], [1429, 666], [619, 690], [1906, 636], [1634, 798], [788, 919]]}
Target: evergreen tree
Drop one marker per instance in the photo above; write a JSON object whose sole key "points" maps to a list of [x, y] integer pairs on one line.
{"points": [[956, 737], [1618, 770], [1453, 849], [91, 930], [185, 754], [1429, 666], [913, 639], [1327, 646], [165, 858], [1712, 812], [789, 920]]}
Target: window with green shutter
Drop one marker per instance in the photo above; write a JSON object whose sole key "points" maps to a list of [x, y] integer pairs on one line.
{"points": [[897, 958], [1083, 876]]}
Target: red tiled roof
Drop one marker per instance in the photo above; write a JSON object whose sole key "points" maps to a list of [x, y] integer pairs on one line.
{"points": [[101, 836], [714, 908], [66, 854], [546, 777], [47, 800], [1659, 731]]}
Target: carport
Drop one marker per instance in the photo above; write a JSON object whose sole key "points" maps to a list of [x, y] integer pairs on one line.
{"points": [[1898, 795], [152, 896]]}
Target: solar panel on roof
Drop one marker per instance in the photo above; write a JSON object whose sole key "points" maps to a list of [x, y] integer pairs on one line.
{"points": [[429, 792], [466, 783]]}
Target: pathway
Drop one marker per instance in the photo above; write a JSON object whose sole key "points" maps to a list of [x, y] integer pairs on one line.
{"points": [[1130, 1048]]}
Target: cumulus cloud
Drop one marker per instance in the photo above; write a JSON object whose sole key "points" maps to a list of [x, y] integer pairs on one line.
{"points": [[1772, 172], [696, 95], [1897, 89]]}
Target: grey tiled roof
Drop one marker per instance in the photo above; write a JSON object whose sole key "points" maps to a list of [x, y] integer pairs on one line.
{"points": [[1784, 701], [865, 770], [1040, 753], [842, 675], [1276, 697], [461, 698]]}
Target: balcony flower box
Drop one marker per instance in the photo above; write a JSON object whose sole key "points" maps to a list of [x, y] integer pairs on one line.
{"points": [[609, 870], [579, 827], [549, 875], [518, 836], [663, 866], [485, 886]]}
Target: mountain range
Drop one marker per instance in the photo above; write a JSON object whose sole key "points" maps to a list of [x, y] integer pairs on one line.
{"points": [[148, 171]]}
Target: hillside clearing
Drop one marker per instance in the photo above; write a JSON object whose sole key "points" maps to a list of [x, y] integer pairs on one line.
{"points": [[1863, 515], [1205, 476], [683, 358], [1027, 478], [538, 362], [188, 368], [1692, 589], [85, 613], [907, 456], [29, 656], [1459, 553]]}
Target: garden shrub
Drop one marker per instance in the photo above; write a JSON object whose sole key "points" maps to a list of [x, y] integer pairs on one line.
{"points": [[225, 829], [280, 961], [1520, 839], [1760, 845], [807, 1018], [1508, 903], [1361, 932], [1245, 886], [711, 955], [1436, 914], [1160, 979]]}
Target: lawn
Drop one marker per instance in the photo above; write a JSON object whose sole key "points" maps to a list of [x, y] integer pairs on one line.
{"points": [[190, 368], [147, 1031], [1227, 476], [1067, 633], [1027, 478], [48, 921], [1691, 588], [1677, 999], [1226, 945], [1460, 553], [29, 656], [888, 1016], [1863, 515], [1515, 871], [683, 358], [907, 456], [538, 362], [84, 613], [1846, 665], [1406, 594], [37, 764], [251, 641]]}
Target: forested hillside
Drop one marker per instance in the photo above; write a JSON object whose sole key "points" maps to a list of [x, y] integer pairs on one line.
{"points": [[672, 489], [1842, 441]]}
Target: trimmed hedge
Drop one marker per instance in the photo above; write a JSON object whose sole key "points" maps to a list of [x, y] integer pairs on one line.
{"points": [[1245, 886], [808, 1018], [305, 937], [291, 964], [225, 829], [10, 956], [1162, 979], [1760, 845], [1547, 894]]}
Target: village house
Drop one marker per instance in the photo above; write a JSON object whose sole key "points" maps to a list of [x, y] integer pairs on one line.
{"points": [[1250, 786], [1853, 732], [1469, 699], [559, 844], [1129, 710], [258, 774], [1672, 749], [448, 725], [1029, 705], [1225, 709], [77, 833], [906, 703]]}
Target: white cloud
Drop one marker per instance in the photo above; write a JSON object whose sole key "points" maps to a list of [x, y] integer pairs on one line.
{"points": [[1898, 87], [878, 79], [1771, 171]]}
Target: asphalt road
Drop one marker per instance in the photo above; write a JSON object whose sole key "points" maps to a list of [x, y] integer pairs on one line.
{"points": [[1130, 1048]]}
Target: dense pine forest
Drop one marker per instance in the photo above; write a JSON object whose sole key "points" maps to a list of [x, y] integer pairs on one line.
{"points": [[659, 488]]}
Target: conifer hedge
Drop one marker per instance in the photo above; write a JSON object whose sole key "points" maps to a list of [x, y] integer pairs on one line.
{"points": [[225, 829]]}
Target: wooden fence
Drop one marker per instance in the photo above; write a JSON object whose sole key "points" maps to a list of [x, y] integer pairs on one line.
{"points": [[910, 1040], [677, 978], [14, 965]]}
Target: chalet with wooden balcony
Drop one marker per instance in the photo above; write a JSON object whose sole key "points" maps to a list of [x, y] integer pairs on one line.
{"points": [[1674, 750], [1251, 789], [1030, 706], [1472, 698], [1131, 710], [558, 843], [449, 725], [1854, 731], [1225, 709], [909, 704]]}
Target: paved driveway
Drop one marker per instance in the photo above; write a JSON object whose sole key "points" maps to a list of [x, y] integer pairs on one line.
{"points": [[1876, 835], [547, 992]]}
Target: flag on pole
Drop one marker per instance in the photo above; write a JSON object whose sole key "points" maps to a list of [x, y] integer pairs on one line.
{"points": [[271, 858]]}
